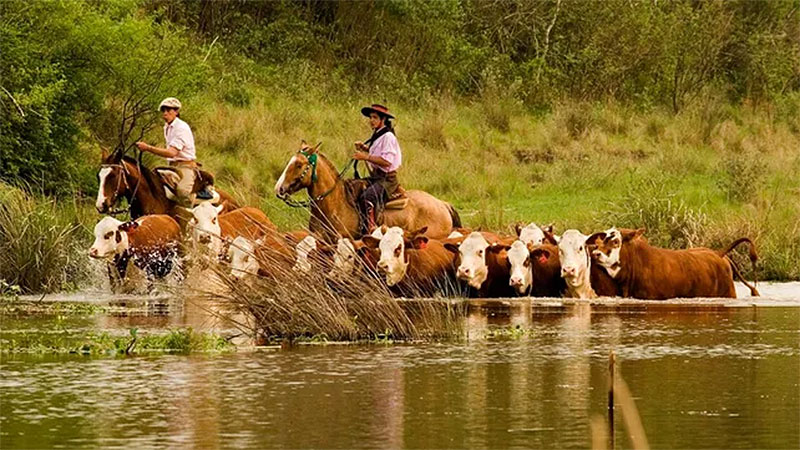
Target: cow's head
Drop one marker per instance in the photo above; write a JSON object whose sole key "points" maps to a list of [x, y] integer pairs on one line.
{"points": [[472, 253], [206, 223], [112, 181], [299, 171], [574, 256], [303, 251], [393, 247], [244, 262], [606, 247], [344, 259], [519, 258], [110, 238]]}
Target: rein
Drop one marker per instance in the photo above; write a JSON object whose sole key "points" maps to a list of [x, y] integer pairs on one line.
{"points": [[116, 212], [312, 165]]}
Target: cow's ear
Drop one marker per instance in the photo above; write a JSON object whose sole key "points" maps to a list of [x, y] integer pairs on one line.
{"points": [[548, 228], [325, 249], [592, 240], [628, 235], [549, 237], [370, 241], [220, 207], [419, 242], [103, 154], [451, 247], [421, 231], [518, 228]]}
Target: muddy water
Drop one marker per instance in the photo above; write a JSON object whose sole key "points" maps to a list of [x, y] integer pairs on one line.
{"points": [[713, 379]]}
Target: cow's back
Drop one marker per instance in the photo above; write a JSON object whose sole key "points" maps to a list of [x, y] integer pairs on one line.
{"points": [[247, 222], [154, 231], [661, 274], [430, 267]]}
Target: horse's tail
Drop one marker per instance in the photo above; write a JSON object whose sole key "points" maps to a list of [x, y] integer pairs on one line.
{"points": [[454, 217]]}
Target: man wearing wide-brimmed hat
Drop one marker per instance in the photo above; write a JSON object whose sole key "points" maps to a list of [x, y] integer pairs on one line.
{"points": [[179, 151], [382, 154]]}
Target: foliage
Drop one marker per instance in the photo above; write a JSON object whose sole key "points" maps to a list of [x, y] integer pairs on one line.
{"points": [[38, 243]]}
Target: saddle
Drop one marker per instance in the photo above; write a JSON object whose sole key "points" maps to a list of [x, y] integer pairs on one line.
{"points": [[354, 188], [170, 177]]}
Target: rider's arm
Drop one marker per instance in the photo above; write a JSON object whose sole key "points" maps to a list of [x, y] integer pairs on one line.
{"points": [[378, 161], [169, 152]]}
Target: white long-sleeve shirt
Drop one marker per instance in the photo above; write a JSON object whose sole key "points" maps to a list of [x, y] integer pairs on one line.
{"points": [[179, 135], [387, 148]]}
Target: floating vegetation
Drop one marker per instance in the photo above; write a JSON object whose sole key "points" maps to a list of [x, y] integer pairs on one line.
{"points": [[180, 340]]}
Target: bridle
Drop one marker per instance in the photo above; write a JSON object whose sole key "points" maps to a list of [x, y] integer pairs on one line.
{"points": [[312, 166], [122, 179]]}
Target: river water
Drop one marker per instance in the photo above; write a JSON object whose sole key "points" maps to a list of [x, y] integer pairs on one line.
{"points": [[726, 378]]}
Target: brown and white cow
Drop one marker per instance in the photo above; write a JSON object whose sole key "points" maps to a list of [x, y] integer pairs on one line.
{"points": [[150, 241], [412, 263], [483, 264], [211, 228], [535, 270], [269, 256], [647, 272], [576, 264], [532, 234]]}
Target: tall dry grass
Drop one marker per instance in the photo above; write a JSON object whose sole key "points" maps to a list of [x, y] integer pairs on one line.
{"points": [[41, 242]]}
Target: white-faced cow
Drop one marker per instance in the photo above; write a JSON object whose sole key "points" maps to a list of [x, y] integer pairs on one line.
{"points": [[412, 263], [483, 264], [150, 241], [646, 272], [211, 229]]}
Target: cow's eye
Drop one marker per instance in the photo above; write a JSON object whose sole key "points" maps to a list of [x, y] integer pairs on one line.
{"points": [[397, 251], [527, 263], [580, 249], [214, 220], [108, 235]]}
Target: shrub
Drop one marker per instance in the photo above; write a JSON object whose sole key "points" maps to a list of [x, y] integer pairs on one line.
{"points": [[742, 176], [38, 244]]}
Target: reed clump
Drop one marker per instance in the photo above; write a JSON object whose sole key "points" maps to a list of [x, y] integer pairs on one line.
{"points": [[282, 304], [40, 244]]}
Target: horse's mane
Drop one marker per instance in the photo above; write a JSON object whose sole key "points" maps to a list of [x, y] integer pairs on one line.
{"points": [[328, 162], [352, 187], [152, 180]]}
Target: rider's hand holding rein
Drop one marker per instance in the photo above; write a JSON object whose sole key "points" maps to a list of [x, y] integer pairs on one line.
{"points": [[362, 154]]}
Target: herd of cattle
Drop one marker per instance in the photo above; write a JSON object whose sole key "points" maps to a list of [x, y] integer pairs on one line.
{"points": [[534, 261]]}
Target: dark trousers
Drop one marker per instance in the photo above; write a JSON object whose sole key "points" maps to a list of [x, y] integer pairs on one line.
{"points": [[374, 196]]}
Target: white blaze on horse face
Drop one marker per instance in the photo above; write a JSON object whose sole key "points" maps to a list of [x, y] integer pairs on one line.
{"points": [[101, 195], [612, 244], [574, 258], [532, 234], [207, 229], [282, 179], [392, 260], [344, 259], [473, 268], [105, 239], [304, 247], [519, 258], [243, 260]]}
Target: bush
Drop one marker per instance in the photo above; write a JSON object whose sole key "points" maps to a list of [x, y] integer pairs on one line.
{"points": [[39, 246], [742, 176], [668, 220]]}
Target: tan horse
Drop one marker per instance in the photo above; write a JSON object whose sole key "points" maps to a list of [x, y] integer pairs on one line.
{"points": [[122, 176], [334, 212]]}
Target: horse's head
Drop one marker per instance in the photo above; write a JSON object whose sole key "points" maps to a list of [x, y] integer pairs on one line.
{"points": [[299, 172], [113, 182]]}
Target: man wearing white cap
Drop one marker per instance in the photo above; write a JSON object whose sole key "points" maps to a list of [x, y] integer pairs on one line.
{"points": [[179, 149]]}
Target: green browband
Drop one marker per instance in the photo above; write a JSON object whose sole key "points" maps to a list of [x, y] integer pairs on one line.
{"points": [[312, 160]]}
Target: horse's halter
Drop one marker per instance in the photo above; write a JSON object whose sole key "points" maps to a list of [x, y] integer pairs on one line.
{"points": [[121, 179], [296, 185]]}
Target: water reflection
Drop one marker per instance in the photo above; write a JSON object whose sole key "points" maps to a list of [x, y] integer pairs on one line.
{"points": [[710, 380]]}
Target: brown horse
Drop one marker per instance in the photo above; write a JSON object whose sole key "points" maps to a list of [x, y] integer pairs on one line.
{"points": [[122, 176], [334, 212]]}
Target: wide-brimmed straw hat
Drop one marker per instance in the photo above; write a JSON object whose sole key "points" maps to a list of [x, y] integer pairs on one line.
{"points": [[380, 109]]}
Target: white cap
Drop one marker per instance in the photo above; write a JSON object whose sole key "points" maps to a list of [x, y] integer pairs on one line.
{"points": [[170, 102]]}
